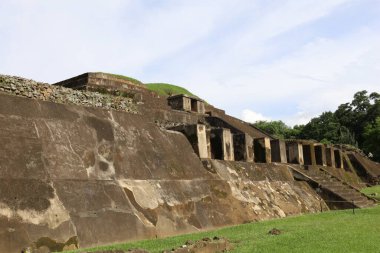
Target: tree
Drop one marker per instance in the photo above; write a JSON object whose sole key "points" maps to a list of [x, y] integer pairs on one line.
{"points": [[372, 139], [355, 116], [276, 128], [327, 129]]}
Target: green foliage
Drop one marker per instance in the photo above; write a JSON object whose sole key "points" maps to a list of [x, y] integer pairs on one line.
{"points": [[371, 142], [362, 110], [352, 123], [168, 89], [277, 129], [327, 128], [333, 231], [355, 124]]}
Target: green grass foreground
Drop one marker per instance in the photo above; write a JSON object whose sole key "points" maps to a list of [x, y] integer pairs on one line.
{"points": [[373, 192], [333, 231]]}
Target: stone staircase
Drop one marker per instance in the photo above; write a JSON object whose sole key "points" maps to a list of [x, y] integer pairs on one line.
{"points": [[328, 182]]}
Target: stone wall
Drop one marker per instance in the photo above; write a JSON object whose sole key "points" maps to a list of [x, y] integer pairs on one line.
{"points": [[42, 91], [91, 176]]}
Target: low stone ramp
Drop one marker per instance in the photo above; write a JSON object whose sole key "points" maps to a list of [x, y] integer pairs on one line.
{"points": [[235, 125], [324, 180], [365, 168]]}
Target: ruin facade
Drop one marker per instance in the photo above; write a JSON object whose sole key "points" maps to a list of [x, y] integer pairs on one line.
{"points": [[84, 164]]}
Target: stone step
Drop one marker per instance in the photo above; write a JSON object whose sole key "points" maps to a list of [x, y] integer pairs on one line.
{"points": [[334, 188], [352, 198], [363, 203]]}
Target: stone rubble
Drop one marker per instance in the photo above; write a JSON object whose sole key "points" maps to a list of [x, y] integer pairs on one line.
{"points": [[43, 91]]}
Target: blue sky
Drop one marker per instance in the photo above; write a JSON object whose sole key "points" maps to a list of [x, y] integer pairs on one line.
{"points": [[279, 59]]}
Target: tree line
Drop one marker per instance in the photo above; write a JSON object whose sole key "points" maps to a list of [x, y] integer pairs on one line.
{"points": [[356, 123]]}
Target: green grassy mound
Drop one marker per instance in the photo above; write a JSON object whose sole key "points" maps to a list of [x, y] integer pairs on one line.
{"points": [[160, 88], [334, 231], [373, 192], [132, 80], [168, 89]]}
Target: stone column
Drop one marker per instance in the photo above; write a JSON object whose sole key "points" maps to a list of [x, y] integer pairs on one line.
{"points": [[186, 104], [201, 107], [197, 136]]}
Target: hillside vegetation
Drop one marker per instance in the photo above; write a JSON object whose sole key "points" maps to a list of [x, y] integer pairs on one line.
{"points": [[333, 231]]}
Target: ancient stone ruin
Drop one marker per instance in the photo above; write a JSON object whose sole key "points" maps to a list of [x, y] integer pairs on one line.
{"points": [[98, 159]]}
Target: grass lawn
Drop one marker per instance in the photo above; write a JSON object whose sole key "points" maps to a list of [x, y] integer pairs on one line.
{"points": [[334, 231], [373, 191]]}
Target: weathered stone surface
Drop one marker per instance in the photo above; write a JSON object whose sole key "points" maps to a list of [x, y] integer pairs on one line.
{"points": [[107, 176]]}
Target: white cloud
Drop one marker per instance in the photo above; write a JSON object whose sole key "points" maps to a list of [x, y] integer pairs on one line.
{"points": [[252, 117]]}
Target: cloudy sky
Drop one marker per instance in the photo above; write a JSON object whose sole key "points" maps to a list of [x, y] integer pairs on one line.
{"points": [[257, 59]]}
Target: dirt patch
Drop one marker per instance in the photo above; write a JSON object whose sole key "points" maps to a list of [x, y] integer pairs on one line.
{"points": [[206, 245], [121, 251], [274, 231]]}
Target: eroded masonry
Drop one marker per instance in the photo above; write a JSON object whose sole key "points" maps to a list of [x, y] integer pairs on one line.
{"points": [[98, 159]]}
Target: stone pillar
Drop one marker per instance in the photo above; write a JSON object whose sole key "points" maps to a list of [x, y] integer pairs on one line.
{"points": [[208, 134], [186, 104], [278, 151], [262, 151], [338, 158], [243, 147], [197, 136], [330, 158], [309, 154], [320, 154], [201, 107], [222, 144], [294, 152]]}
